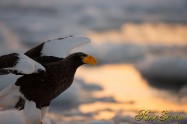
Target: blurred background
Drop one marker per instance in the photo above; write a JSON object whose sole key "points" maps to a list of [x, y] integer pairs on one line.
{"points": [[140, 46]]}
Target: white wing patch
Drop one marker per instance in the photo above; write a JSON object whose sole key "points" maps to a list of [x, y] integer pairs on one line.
{"points": [[61, 47], [26, 62], [26, 65], [9, 96]]}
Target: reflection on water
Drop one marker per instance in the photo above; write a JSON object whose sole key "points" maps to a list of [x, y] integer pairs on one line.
{"points": [[131, 91]]}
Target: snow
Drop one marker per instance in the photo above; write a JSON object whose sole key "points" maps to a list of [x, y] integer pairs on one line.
{"points": [[101, 122], [165, 71], [183, 93], [165, 67], [10, 117], [39, 21], [14, 117], [23, 22]]}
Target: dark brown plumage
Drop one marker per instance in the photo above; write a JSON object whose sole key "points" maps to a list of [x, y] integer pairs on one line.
{"points": [[45, 71], [44, 87]]}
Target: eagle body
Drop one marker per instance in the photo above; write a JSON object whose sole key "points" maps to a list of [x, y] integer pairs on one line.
{"points": [[44, 87], [44, 72]]}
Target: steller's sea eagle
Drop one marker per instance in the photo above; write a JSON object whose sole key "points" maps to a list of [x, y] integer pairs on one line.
{"points": [[46, 71]]}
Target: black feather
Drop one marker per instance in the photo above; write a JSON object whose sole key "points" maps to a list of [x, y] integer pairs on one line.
{"points": [[44, 87]]}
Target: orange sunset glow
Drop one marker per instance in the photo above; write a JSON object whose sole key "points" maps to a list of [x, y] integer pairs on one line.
{"points": [[139, 50], [125, 83], [145, 33]]}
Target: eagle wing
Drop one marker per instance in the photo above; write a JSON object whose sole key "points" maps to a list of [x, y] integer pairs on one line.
{"points": [[50, 51], [57, 48], [19, 64]]}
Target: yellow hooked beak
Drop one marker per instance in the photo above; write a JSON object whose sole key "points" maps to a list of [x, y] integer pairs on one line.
{"points": [[89, 60]]}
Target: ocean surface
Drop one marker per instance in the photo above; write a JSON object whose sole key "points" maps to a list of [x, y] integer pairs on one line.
{"points": [[140, 46]]}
